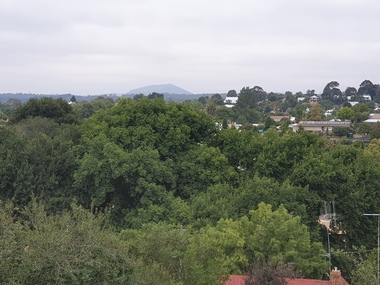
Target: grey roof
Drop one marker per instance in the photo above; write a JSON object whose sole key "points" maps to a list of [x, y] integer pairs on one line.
{"points": [[325, 123]]}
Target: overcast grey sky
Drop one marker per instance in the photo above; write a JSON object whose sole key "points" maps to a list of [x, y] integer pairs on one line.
{"points": [[204, 46]]}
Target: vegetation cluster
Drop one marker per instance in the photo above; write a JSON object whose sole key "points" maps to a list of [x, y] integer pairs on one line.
{"points": [[144, 191]]}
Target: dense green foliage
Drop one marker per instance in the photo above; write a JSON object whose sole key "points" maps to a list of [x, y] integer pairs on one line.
{"points": [[57, 109], [71, 248], [178, 199]]}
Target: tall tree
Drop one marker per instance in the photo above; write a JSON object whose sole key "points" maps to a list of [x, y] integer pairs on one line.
{"points": [[137, 155], [274, 236], [315, 113], [246, 99], [350, 91], [332, 92], [232, 93], [217, 99], [366, 88]]}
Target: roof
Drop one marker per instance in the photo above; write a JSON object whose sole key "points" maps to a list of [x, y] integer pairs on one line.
{"points": [[325, 123], [307, 282], [278, 118], [335, 275], [231, 100], [374, 116], [239, 280], [235, 280], [372, 121]]}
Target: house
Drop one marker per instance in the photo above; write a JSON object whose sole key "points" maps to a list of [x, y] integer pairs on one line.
{"points": [[314, 99], [229, 102], [320, 126], [353, 103], [373, 119], [278, 119], [367, 98], [300, 99], [335, 279]]}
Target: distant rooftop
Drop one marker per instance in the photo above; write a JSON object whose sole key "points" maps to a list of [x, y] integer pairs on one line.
{"points": [[325, 123]]}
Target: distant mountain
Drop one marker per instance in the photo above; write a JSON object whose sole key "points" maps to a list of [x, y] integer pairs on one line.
{"points": [[160, 88]]}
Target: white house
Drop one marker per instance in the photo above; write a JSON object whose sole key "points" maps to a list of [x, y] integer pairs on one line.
{"points": [[367, 97], [314, 99], [229, 102]]}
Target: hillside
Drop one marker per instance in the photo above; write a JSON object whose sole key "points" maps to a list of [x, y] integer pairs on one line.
{"points": [[160, 88]]}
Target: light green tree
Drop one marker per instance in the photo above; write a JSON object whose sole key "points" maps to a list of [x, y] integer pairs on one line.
{"points": [[71, 248], [366, 271], [278, 236], [345, 113]]}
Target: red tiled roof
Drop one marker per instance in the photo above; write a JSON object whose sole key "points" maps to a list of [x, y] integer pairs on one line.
{"points": [[307, 282], [235, 280], [239, 280]]}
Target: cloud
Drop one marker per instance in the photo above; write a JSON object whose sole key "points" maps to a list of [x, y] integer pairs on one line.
{"points": [[203, 46]]}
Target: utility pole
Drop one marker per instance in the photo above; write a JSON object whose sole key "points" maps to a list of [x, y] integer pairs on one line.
{"points": [[378, 242], [329, 249]]}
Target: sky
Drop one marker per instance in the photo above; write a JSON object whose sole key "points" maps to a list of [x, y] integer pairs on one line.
{"points": [[203, 46]]}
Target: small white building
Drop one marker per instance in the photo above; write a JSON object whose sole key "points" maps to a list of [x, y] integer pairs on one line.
{"points": [[300, 99], [229, 102], [314, 99], [367, 98]]}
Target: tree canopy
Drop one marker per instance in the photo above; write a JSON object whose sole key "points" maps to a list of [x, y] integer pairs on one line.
{"points": [[184, 196]]}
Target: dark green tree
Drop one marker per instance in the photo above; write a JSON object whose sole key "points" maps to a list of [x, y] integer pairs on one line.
{"points": [[366, 88], [364, 128], [137, 155], [86, 109], [361, 113], [232, 93], [224, 123], [137, 97], [217, 99], [155, 95], [332, 92], [203, 100], [350, 91], [73, 99], [247, 99], [223, 112], [341, 131], [241, 120], [47, 107], [269, 122]]}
